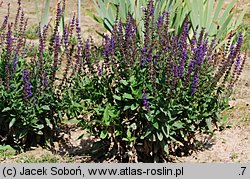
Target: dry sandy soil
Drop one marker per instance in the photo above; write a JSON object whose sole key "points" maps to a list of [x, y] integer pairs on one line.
{"points": [[229, 145]]}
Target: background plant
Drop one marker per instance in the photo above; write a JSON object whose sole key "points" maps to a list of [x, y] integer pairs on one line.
{"points": [[43, 16], [30, 98], [218, 19], [109, 10], [150, 98], [207, 14]]}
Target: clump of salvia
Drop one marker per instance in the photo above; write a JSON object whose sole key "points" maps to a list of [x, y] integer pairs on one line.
{"points": [[30, 105], [151, 98]]}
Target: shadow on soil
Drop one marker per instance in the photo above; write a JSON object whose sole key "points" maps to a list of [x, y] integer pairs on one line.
{"points": [[91, 150]]}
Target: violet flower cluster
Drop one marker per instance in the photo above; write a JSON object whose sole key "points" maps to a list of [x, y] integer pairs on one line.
{"points": [[27, 93]]}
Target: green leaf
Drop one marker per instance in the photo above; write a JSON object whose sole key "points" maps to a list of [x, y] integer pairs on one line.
{"points": [[103, 134], [127, 96], [72, 121], [124, 82], [128, 134], [148, 132], [106, 116], [209, 10], [40, 126], [227, 12], [22, 133], [223, 28], [12, 122], [156, 125], [178, 125], [126, 107], [166, 148], [45, 107], [132, 80], [48, 123], [240, 18], [200, 11], [134, 106], [215, 16], [6, 148], [6, 109], [117, 97], [148, 117], [160, 136], [205, 114], [108, 25], [125, 139], [165, 130], [209, 124]]}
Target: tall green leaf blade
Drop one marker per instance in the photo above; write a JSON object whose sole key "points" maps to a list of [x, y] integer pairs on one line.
{"points": [[122, 9], [107, 24], [201, 12], [45, 17], [224, 29], [210, 5], [103, 9], [227, 11], [217, 11], [132, 5], [193, 14], [196, 11], [111, 13], [240, 18], [98, 8]]}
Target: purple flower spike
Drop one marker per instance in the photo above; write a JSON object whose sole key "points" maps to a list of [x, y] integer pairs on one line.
{"points": [[184, 35], [56, 54], [65, 38], [160, 22], [238, 44], [145, 101], [45, 81], [14, 63], [152, 11], [143, 54], [182, 64], [175, 71], [195, 83], [87, 48], [237, 63], [106, 51], [26, 86], [99, 70]]}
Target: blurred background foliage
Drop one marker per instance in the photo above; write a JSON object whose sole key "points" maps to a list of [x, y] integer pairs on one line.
{"points": [[218, 19]]}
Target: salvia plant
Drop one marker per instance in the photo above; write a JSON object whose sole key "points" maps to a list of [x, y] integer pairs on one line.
{"points": [[30, 102], [149, 99]]}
